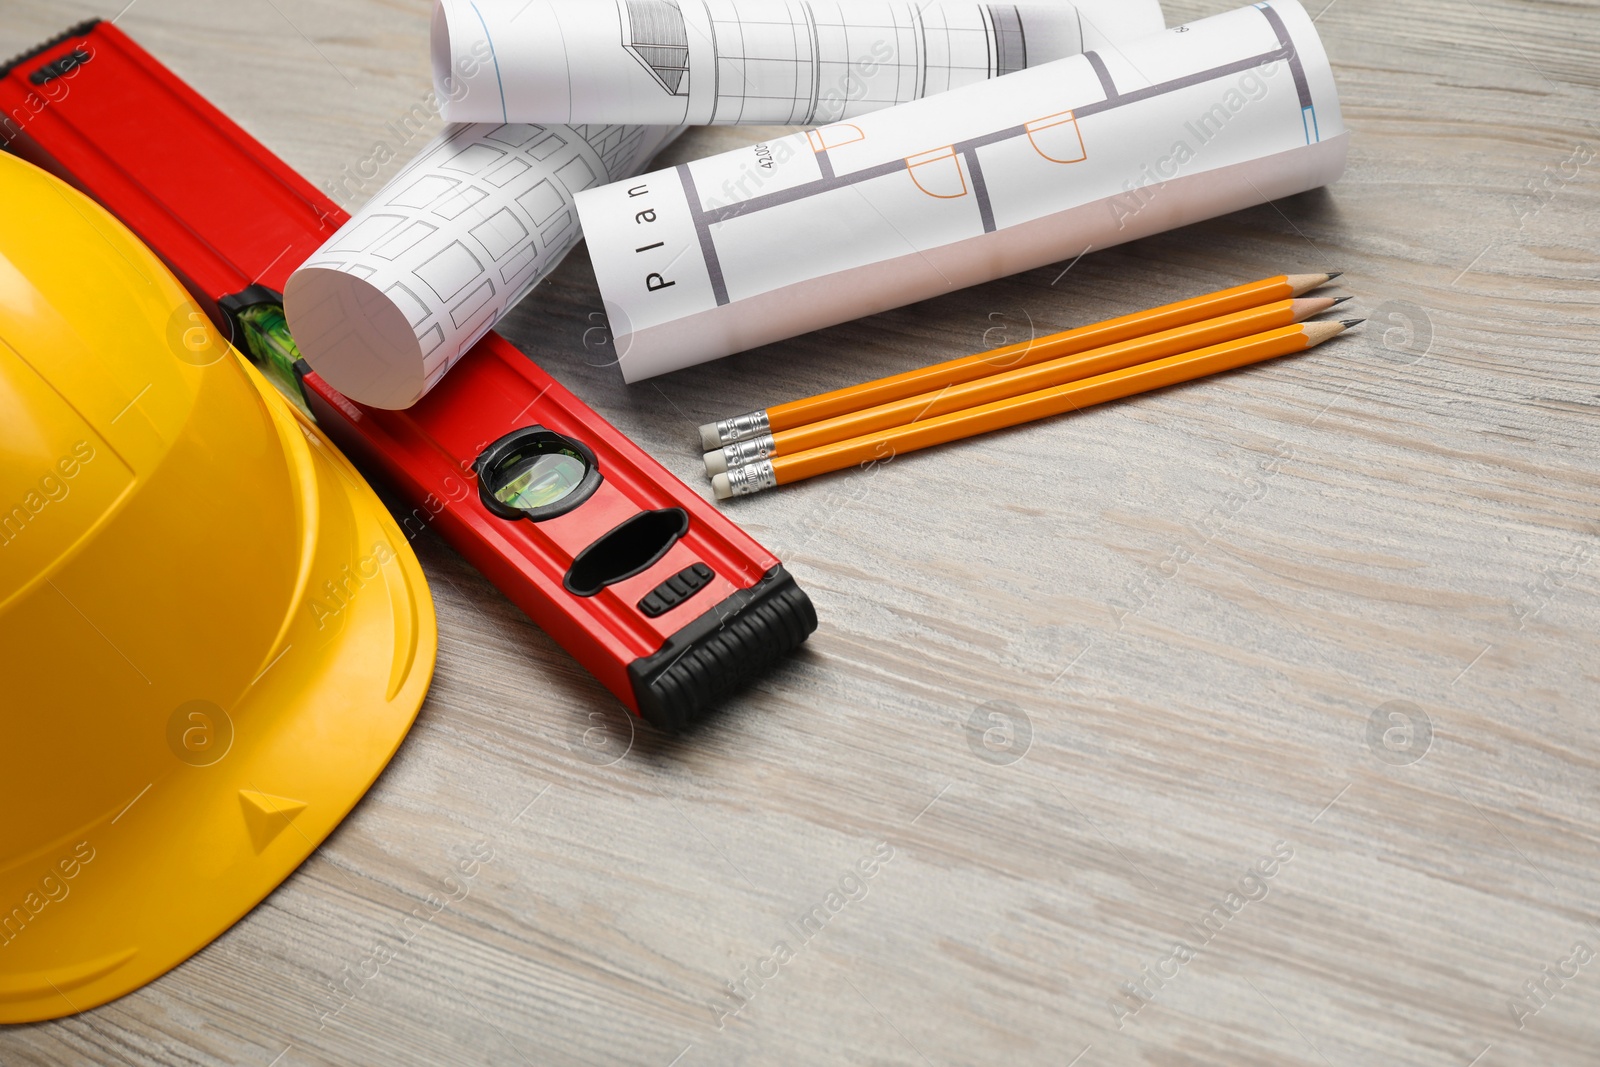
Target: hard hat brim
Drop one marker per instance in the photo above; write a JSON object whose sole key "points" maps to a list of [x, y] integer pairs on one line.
{"points": [[203, 844]]}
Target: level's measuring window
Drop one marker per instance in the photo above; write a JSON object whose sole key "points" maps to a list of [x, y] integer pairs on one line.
{"points": [[542, 480], [536, 474]]}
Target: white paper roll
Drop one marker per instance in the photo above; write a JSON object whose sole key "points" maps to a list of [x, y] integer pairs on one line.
{"points": [[851, 219], [776, 62], [440, 253]]}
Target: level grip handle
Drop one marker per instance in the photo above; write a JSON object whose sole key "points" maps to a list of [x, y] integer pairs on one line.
{"points": [[718, 652]]}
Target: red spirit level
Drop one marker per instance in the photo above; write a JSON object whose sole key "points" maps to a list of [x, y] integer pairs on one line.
{"points": [[657, 593]]}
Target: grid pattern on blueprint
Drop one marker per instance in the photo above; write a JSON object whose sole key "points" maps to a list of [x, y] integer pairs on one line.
{"points": [[474, 223], [865, 35], [963, 46], [766, 66], [802, 62], [617, 146]]}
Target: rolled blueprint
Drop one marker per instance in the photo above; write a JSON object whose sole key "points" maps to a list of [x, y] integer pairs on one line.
{"points": [[853, 218], [783, 62], [438, 255]]}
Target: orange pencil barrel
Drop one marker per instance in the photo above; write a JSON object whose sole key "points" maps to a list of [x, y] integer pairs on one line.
{"points": [[1011, 357], [1029, 407], [956, 371], [1038, 376]]}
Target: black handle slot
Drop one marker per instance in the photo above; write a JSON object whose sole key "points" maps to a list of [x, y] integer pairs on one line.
{"points": [[629, 549]]}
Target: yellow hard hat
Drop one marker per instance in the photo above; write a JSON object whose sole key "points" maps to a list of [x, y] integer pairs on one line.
{"points": [[212, 634]]}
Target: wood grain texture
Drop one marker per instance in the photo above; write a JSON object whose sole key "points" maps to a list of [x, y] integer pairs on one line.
{"points": [[1182, 615]]}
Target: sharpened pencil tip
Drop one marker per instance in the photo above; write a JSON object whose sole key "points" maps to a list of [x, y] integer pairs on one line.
{"points": [[1336, 274], [1351, 324], [1341, 300]]}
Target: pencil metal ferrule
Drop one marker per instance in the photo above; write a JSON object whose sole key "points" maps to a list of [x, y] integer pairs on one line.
{"points": [[752, 478], [742, 427], [741, 453]]}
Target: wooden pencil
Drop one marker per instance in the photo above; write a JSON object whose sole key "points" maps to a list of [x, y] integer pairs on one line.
{"points": [[1016, 382], [888, 444], [953, 372]]}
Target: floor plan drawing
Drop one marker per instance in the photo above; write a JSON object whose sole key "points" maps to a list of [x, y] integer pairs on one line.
{"points": [[856, 217], [787, 62]]}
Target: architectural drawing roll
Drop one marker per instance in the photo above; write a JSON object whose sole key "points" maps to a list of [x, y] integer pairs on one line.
{"points": [[853, 218], [780, 62], [442, 251]]}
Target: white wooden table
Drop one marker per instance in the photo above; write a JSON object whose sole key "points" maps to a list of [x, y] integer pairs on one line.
{"points": [[1334, 618]]}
